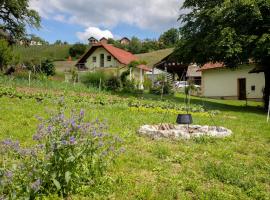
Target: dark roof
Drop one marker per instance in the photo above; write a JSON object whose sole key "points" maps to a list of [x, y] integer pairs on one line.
{"points": [[258, 69], [125, 38], [92, 38], [103, 39], [121, 55]]}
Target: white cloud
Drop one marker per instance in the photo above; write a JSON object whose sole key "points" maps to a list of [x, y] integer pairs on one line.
{"points": [[94, 32], [155, 15]]}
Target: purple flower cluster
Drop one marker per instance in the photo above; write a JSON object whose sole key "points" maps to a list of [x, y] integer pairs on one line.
{"points": [[64, 144]]}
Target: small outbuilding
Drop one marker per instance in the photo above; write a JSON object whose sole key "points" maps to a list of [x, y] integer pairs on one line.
{"points": [[239, 83]]}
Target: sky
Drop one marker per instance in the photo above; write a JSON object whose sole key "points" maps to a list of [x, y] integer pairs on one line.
{"points": [[77, 20]]}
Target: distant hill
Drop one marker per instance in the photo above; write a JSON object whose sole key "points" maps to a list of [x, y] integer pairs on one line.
{"points": [[155, 56], [52, 52]]}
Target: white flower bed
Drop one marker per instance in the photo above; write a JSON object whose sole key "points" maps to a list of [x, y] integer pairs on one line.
{"points": [[182, 131]]}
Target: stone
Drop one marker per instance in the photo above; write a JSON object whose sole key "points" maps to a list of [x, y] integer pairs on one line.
{"points": [[176, 132]]}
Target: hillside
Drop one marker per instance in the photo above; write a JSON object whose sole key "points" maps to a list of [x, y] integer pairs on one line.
{"points": [[155, 56], [52, 52]]}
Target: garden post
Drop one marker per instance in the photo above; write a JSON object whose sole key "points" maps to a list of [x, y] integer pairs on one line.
{"points": [[268, 110]]}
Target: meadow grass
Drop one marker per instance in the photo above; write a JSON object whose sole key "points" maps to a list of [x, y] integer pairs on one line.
{"points": [[237, 167]]}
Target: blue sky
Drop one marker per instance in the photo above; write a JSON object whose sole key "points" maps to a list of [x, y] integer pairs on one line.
{"points": [[75, 21]]}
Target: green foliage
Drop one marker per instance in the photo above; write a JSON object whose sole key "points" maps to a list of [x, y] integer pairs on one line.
{"points": [[94, 79], [47, 67], [113, 83], [15, 15], [162, 88], [129, 86], [232, 32], [170, 37], [147, 84], [70, 154], [6, 55], [77, 50]]}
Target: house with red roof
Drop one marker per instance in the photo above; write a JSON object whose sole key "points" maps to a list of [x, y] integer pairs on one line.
{"points": [[103, 56], [238, 83]]}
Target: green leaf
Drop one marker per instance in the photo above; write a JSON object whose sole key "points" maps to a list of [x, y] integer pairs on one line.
{"points": [[57, 184], [67, 176]]}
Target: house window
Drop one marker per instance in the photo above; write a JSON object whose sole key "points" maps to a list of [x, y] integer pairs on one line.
{"points": [[94, 59], [253, 88], [109, 58]]}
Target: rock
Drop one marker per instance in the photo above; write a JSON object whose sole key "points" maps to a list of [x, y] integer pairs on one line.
{"points": [[182, 131]]}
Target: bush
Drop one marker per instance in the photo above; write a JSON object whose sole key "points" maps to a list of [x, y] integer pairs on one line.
{"points": [[94, 79], [70, 155], [48, 68], [129, 86], [77, 50], [113, 83], [157, 89], [6, 54]]}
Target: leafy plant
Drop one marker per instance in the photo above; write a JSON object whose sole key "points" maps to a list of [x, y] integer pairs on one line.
{"points": [[69, 154], [95, 79], [77, 50], [48, 68], [113, 83]]}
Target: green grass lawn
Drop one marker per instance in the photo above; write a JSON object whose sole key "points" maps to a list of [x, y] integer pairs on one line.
{"points": [[237, 167]]}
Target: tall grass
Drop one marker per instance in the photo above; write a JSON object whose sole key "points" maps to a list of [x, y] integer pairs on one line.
{"points": [[46, 83]]}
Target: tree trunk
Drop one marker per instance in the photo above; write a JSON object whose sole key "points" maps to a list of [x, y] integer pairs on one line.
{"points": [[266, 89]]}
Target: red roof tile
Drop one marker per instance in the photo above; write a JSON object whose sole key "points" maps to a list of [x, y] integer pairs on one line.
{"points": [[121, 55], [144, 67], [211, 65]]}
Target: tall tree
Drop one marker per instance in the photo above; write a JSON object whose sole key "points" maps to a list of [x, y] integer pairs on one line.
{"points": [[170, 37], [15, 15], [229, 31]]}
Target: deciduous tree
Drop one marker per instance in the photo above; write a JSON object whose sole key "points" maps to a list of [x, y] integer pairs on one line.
{"points": [[15, 15], [228, 31]]}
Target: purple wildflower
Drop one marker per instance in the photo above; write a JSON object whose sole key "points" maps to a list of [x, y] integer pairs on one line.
{"points": [[49, 129], [9, 174], [64, 142], [73, 123], [72, 140], [36, 185], [82, 113]]}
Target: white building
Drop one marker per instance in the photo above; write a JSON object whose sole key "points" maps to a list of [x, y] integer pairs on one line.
{"points": [[221, 82]]}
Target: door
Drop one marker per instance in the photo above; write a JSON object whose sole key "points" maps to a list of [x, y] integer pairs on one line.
{"points": [[242, 94], [101, 60]]}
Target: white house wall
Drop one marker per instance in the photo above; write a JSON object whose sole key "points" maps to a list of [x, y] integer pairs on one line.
{"points": [[224, 83], [90, 64]]}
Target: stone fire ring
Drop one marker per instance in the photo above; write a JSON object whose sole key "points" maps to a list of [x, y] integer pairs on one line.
{"points": [[176, 132]]}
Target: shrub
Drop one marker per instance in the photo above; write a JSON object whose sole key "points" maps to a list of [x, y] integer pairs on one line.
{"points": [[48, 68], [6, 54], [70, 154], [94, 79], [77, 50], [166, 87], [113, 83], [147, 84], [129, 86]]}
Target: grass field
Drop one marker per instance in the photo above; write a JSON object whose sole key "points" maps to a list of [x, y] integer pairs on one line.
{"points": [[237, 167]]}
